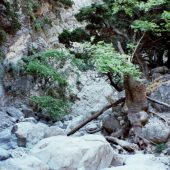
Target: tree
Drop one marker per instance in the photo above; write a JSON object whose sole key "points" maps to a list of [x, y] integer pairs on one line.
{"points": [[129, 24]]}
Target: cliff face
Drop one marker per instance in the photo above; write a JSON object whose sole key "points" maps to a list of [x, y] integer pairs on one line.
{"points": [[55, 19]]}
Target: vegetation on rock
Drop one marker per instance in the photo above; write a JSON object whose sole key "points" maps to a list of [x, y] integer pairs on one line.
{"points": [[42, 66]]}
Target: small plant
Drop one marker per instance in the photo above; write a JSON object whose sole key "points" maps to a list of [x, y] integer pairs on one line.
{"points": [[67, 3], [3, 36], [55, 108], [160, 147], [37, 25], [77, 35]]}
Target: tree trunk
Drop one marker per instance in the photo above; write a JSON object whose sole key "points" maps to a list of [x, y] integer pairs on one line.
{"points": [[136, 100]]}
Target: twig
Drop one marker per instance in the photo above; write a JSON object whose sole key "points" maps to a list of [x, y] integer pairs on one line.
{"points": [[158, 102], [136, 48], [94, 116], [159, 117]]}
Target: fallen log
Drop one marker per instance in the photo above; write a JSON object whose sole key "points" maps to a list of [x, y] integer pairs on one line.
{"points": [[94, 116], [131, 147]]}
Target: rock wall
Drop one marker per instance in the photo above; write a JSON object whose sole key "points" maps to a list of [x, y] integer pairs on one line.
{"points": [[19, 45]]}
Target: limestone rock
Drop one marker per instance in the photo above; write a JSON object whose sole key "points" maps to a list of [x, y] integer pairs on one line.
{"points": [[6, 120], [4, 154], [156, 131], [28, 133], [24, 163], [162, 94], [143, 162], [92, 94], [70, 153], [14, 112], [111, 124], [54, 131], [7, 140]]}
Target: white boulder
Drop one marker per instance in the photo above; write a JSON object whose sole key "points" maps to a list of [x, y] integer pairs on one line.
{"points": [[23, 163], [143, 162], [90, 152]]}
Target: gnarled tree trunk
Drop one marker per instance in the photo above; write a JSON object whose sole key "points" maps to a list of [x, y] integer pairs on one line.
{"points": [[136, 101]]}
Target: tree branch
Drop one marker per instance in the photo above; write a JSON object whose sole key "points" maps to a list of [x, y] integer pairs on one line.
{"points": [[136, 48], [94, 116], [158, 102]]}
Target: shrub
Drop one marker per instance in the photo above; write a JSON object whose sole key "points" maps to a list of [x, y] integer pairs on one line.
{"points": [[160, 147], [3, 36], [37, 68], [55, 108], [67, 3], [77, 35]]}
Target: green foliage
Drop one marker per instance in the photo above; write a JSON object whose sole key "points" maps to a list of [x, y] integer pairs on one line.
{"points": [[41, 64], [144, 25], [77, 35], [126, 21], [3, 36], [108, 60], [1, 55], [31, 7], [160, 147], [96, 13], [12, 16], [67, 3], [37, 25], [37, 68], [37, 22], [55, 108]]}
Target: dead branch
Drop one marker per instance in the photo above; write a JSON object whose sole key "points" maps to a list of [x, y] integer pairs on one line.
{"points": [[94, 116], [120, 47], [158, 102], [124, 144], [136, 48], [159, 117]]}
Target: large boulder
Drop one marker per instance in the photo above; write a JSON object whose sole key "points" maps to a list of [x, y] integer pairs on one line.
{"points": [[156, 130], [29, 133], [23, 163], [69, 153]]}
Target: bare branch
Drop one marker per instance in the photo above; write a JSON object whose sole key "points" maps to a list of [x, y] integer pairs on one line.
{"points": [[94, 116]]}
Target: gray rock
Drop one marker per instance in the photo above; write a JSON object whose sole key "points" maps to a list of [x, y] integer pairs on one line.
{"points": [[23, 163], [156, 131], [4, 154], [14, 112], [7, 140], [91, 127], [6, 120], [111, 124], [162, 94], [28, 112], [54, 131], [118, 160], [28, 133]]}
